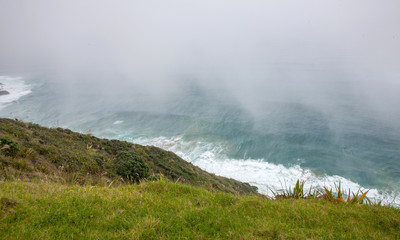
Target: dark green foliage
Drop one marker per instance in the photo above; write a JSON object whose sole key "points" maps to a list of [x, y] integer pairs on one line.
{"points": [[60, 155], [115, 146], [8, 146], [131, 166], [100, 161]]}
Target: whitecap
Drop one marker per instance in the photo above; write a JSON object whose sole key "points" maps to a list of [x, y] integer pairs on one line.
{"points": [[16, 88], [269, 178]]}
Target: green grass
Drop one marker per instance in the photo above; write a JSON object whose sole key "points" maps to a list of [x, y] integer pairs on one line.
{"points": [[60, 155], [64, 185], [165, 210]]}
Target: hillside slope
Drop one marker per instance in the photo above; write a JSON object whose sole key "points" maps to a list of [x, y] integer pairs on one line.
{"points": [[57, 184], [60, 155]]}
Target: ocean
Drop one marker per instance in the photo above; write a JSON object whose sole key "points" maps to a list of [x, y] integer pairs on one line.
{"points": [[271, 141]]}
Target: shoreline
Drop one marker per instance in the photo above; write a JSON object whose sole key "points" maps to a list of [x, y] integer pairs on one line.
{"points": [[12, 89], [2, 91]]}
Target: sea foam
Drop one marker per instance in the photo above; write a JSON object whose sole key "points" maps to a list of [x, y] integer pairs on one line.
{"points": [[269, 178], [16, 87]]}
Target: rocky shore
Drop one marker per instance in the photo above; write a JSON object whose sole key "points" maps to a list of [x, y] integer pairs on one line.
{"points": [[2, 91]]}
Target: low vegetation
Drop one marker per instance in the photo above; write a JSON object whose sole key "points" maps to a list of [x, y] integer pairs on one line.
{"points": [[167, 210], [337, 195], [131, 166], [8, 146], [31, 152], [59, 184]]}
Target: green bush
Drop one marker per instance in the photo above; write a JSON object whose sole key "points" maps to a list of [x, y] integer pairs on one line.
{"points": [[8, 146], [131, 166]]}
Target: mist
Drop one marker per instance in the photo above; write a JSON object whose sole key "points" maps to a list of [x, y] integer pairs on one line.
{"points": [[256, 53]]}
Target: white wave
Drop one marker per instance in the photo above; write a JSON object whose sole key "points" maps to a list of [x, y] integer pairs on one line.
{"points": [[118, 122], [266, 176], [16, 87]]}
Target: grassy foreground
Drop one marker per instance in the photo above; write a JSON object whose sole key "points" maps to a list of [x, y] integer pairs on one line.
{"points": [[165, 210], [58, 184]]}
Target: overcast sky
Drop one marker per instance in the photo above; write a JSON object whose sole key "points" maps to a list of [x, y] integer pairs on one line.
{"points": [[250, 47]]}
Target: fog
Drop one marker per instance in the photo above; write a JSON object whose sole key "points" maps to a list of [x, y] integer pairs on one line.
{"points": [[256, 51]]}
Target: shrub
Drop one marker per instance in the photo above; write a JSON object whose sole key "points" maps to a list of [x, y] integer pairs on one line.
{"points": [[131, 166], [8, 146]]}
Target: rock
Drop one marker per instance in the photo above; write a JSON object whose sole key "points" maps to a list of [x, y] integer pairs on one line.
{"points": [[3, 92]]}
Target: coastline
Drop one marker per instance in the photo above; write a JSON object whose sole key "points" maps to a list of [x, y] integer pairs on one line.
{"points": [[2, 91], [12, 89]]}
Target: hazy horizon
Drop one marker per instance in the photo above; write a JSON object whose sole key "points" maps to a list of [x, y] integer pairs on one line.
{"points": [[254, 50], [261, 91]]}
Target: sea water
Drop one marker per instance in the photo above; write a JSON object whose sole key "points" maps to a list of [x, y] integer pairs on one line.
{"points": [[15, 88], [283, 141]]}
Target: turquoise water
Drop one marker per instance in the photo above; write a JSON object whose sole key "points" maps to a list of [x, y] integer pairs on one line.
{"points": [[270, 147]]}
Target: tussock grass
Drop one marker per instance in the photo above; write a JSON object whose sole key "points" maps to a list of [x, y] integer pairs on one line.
{"points": [[339, 196], [336, 195], [297, 192], [166, 210]]}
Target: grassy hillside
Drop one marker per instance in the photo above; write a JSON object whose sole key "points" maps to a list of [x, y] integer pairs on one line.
{"points": [[165, 210], [57, 184], [60, 155]]}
